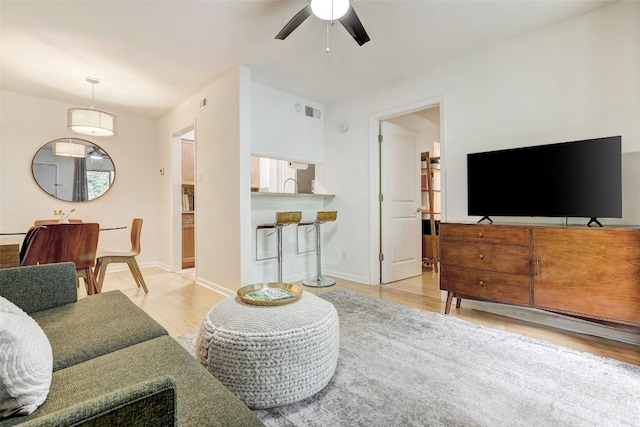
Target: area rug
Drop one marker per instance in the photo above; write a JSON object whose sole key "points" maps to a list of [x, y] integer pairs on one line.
{"points": [[400, 366]]}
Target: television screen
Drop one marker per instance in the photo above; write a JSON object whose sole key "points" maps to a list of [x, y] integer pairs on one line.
{"points": [[570, 179]]}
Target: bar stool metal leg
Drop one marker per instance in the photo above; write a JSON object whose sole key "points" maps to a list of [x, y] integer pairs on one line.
{"points": [[279, 229], [319, 281], [282, 219]]}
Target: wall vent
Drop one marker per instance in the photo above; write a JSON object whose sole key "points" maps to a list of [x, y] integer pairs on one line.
{"points": [[312, 112]]}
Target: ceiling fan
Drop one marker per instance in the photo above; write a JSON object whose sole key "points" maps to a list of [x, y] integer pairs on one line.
{"points": [[329, 10]]}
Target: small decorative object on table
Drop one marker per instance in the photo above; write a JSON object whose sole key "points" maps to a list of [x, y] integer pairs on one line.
{"points": [[63, 218], [270, 293]]}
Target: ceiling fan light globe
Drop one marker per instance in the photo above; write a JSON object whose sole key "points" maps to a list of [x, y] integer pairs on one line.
{"points": [[329, 10]]}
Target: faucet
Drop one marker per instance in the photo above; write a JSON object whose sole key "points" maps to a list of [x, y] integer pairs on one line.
{"points": [[295, 184]]}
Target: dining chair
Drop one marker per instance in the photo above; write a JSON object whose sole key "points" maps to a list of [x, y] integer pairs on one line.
{"points": [[74, 242], [55, 221], [105, 258], [27, 241]]}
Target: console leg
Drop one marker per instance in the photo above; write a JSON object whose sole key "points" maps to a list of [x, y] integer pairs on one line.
{"points": [[447, 307]]}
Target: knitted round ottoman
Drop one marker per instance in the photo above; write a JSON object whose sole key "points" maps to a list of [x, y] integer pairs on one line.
{"points": [[270, 355]]}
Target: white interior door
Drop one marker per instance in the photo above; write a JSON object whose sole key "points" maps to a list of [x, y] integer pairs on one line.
{"points": [[401, 220], [46, 174]]}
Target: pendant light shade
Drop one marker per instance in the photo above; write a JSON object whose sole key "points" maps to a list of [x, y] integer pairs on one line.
{"points": [[69, 149], [89, 121], [329, 9]]}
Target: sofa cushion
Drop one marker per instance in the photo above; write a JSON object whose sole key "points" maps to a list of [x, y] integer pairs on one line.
{"points": [[39, 287], [149, 403], [93, 326], [26, 362], [202, 400]]}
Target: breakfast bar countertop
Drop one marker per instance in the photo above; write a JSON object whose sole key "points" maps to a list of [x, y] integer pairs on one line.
{"points": [[265, 194]]}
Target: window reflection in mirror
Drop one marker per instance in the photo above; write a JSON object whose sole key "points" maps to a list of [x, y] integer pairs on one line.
{"points": [[281, 176], [73, 170]]}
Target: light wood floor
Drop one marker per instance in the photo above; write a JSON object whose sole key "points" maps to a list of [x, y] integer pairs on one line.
{"points": [[179, 304]]}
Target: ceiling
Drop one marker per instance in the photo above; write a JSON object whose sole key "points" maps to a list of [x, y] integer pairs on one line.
{"points": [[152, 55], [432, 114]]}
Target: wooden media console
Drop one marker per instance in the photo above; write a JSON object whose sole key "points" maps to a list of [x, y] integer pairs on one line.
{"points": [[589, 273]]}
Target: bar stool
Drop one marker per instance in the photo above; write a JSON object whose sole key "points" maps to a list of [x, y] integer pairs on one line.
{"points": [[282, 220], [319, 281]]}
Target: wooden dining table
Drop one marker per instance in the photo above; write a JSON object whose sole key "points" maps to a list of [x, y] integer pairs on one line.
{"points": [[10, 252]]}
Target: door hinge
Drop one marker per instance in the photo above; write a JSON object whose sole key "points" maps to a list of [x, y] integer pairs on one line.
{"points": [[380, 198], [380, 257], [379, 137]]}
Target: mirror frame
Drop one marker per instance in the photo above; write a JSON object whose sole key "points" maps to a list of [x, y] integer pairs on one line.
{"points": [[91, 146]]}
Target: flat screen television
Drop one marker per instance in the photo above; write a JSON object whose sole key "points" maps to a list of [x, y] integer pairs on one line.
{"points": [[569, 179]]}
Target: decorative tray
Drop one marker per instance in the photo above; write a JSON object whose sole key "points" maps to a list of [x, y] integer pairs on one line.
{"points": [[270, 293]]}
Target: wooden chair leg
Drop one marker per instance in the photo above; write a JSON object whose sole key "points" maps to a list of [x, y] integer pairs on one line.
{"points": [[137, 274], [88, 284], [92, 281], [97, 267], [101, 267], [132, 269]]}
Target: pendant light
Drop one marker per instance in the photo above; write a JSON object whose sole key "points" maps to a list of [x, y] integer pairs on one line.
{"points": [[69, 149], [89, 121]]}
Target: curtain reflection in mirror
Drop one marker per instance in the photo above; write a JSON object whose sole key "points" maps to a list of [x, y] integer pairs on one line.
{"points": [[80, 193]]}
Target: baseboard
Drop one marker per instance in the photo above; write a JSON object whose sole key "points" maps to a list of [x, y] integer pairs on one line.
{"points": [[214, 287], [553, 320], [344, 276]]}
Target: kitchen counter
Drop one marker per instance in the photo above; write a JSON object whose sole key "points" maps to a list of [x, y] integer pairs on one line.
{"points": [[263, 194]]}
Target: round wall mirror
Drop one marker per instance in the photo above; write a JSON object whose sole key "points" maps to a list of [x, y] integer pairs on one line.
{"points": [[73, 170]]}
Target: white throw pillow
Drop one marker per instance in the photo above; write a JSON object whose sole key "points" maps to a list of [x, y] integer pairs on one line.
{"points": [[26, 362]]}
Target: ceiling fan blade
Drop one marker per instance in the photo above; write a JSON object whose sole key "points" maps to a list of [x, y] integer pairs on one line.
{"points": [[352, 23], [294, 22]]}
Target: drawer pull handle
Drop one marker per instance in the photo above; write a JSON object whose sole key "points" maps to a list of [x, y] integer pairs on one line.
{"points": [[481, 282], [480, 234], [480, 256]]}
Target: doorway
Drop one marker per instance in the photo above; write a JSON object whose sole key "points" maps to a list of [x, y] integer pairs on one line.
{"points": [[187, 261], [404, 212]]}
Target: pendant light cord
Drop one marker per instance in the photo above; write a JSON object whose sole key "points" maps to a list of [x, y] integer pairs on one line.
{"points": [[328, 50], [93, 96]]}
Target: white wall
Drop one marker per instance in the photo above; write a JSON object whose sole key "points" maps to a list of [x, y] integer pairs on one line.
{"points": [[575, 80], [241, 118], [280, 131], [223, 173], [29, 122]]}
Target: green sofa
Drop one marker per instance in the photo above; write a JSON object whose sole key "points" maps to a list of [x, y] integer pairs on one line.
{"points": [[112, 363]]}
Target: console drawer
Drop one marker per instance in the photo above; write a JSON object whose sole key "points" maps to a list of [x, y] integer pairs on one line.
{"points": [[485, 233], [487, 256], [488, 285]]}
